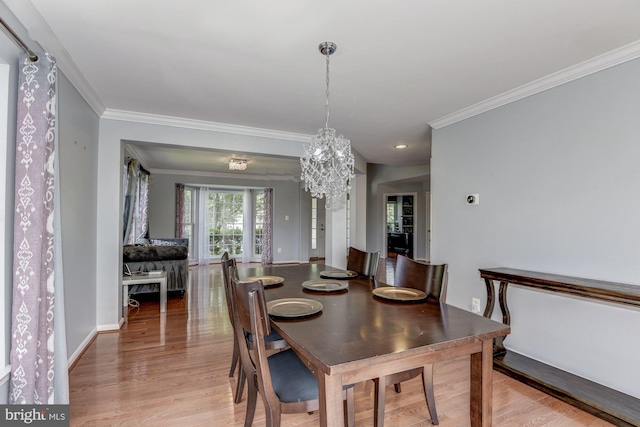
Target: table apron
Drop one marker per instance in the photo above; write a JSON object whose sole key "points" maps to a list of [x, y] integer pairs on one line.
{"points": [[368, 369]]}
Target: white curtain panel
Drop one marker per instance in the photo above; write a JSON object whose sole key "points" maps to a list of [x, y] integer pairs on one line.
{"points": [[37, 322], [61, 364], [203, 224], [247, 227]]}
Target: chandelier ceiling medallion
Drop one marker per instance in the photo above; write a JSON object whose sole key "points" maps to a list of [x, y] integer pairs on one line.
{"points": [[327, 163]]}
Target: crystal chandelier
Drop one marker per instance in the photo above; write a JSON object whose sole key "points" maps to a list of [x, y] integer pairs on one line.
{"points": [[237, 164], [327, 163]]}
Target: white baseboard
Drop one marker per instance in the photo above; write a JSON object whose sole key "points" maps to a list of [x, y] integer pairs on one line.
{"points": [[290, 262], [82, 347], [89, 339], [5, 374], [110, 328]]}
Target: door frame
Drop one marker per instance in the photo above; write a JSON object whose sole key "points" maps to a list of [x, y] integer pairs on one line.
{"points": [[428, 224]]}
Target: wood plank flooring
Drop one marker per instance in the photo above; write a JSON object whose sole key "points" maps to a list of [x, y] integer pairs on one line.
{"points": [[172, 370]]}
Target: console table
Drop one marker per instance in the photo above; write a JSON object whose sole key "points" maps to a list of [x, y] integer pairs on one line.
{"points": [[144, 279], [609, 404]]}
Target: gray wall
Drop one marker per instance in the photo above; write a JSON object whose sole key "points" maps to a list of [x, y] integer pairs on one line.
{"points": [[78, 128], [558, 179], [286, 201], [77, 141], [383, 179]]}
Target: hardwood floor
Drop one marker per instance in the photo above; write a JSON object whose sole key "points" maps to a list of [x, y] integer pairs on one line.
{"points": [[173, 371]]}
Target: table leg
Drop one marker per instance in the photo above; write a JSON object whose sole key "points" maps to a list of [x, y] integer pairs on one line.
{"points": [[163, 328], [491, 295], [163, 295], [506, 318], [482, 385], [331, 401], [125, 302]]}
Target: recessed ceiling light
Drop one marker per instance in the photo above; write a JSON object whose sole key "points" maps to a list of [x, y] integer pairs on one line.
{"points": [[401, 146]]}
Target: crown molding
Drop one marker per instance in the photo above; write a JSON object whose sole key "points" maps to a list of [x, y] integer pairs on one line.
{"points": [[594, 65], [236, 175], [40, 32], [155, 119]]}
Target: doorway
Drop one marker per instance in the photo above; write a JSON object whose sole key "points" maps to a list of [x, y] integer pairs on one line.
{"points": [[400, 224]]}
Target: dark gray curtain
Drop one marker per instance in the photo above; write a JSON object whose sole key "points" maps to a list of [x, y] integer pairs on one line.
{"points": [[179, 210]]}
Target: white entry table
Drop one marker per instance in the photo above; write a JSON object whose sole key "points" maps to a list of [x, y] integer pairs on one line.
{"points": [[145, 279]]}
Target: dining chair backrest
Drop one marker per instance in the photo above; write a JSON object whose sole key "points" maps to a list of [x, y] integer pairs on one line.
{"points": [[226, 264], [251, 314], [244, 307], [363, 263], [429, 278]]}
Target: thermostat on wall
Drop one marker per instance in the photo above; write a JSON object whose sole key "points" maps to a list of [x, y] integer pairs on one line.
{"points": [[473, 199]]}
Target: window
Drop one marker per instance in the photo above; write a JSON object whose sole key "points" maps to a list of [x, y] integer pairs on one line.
{"points": [[314, 223], [392, 220], [226, 222], [348, 221]]}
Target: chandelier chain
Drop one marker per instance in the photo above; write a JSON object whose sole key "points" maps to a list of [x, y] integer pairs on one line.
{"points": [[326, 103]]}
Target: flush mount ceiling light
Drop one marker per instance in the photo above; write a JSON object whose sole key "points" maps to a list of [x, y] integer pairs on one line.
{"points": [[401, 146], [327, 163], [237, 164]]}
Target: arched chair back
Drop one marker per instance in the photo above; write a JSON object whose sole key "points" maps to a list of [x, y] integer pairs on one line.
{"points": [[429, 278], [363, 263]]}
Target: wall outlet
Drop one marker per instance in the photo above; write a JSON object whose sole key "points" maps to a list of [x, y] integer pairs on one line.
{"points": [[279, 250], [475, 305]]}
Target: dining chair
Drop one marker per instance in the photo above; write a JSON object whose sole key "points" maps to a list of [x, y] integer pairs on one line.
{"points": [[363, 263], [431, 279], [224, 262], [284, 382], [274, 340]]}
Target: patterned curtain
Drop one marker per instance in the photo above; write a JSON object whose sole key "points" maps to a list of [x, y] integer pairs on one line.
{"points": [[267, 228], [37, 311], [136, 202], [179, 210], [142, 205]]}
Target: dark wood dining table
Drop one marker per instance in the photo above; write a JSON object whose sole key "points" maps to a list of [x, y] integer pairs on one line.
{"points": [[358, 336]]}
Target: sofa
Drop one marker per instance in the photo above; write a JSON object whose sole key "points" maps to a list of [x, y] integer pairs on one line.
{"points": [[166, 254]]}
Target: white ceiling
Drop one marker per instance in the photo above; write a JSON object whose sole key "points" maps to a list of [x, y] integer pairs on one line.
{"points": [[400, 65]]}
